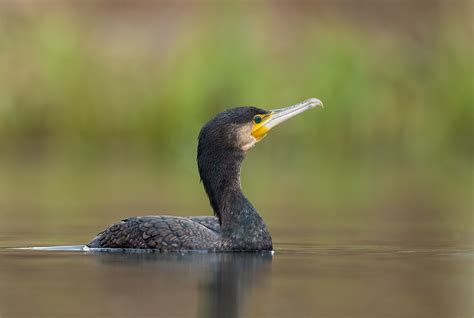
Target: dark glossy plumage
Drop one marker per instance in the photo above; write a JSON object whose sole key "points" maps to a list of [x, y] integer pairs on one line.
{"points": [[159, 232], [236, 225]]}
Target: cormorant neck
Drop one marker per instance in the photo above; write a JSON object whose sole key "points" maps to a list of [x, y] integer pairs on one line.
{"points": [[242, 228], [220, 175]]}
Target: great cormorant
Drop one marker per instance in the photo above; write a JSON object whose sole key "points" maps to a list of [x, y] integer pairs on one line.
{"points": [[236, 226]]}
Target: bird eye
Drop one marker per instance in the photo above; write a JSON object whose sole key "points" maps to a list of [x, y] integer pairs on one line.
{"points": [[257, 119]]}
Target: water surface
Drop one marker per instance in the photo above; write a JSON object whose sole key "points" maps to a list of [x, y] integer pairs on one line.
{"points": [[298, 280]]}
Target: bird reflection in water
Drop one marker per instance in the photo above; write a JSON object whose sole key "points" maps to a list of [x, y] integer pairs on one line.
{"points": [[234, 275], [224, 280]]}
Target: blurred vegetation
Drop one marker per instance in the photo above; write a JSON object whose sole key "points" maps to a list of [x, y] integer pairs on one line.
{"points": [[83, 112]]}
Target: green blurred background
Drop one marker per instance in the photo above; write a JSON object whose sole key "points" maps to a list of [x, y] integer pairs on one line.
{"points": [[101, 104]]}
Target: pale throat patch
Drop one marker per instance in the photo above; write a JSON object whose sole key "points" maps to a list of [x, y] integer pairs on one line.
{"points": [[250, 144], [246, 140]]}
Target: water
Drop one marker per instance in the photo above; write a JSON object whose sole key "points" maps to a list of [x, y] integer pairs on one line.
{"points": [[298, 280]]}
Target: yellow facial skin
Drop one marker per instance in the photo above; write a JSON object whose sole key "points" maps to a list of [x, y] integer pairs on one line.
{"points": [[259, 130]]}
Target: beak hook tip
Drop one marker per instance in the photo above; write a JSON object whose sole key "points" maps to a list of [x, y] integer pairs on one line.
{"points": [[314, 102]]}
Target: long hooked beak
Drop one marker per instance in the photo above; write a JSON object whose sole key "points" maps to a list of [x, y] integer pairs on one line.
{"points": [[277, 116]]}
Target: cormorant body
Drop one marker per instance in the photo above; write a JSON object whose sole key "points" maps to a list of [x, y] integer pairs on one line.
{"points": [[236, 226]]}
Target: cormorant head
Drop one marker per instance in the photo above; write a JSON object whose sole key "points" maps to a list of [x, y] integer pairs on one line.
{"points": [[241, 128], [223, 142]]}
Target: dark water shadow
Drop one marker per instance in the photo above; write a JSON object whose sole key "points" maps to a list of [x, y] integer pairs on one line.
{"points": [[224, 279], [233, 278]]}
